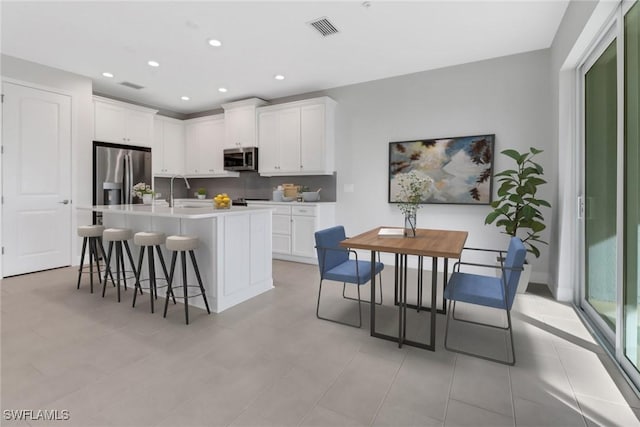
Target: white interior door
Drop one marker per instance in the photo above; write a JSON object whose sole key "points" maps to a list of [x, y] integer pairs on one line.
{"points": [[36, 212]]}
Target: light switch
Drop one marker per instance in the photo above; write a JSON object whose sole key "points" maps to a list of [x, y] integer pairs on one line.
{"points": [[348, 188]]}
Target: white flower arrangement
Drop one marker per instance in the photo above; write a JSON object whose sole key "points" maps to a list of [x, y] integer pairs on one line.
{"points": [[140, 189], [413, 188]]}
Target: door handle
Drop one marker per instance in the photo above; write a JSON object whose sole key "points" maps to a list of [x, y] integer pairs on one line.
{"points": [[64, 202]]}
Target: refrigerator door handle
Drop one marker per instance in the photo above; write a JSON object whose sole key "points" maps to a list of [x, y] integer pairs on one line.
{"points": [[126, 191]]}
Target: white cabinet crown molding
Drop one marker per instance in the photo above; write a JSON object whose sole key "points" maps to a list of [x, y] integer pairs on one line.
{"points": [[301, 103], [124, 104], [251, 102]]}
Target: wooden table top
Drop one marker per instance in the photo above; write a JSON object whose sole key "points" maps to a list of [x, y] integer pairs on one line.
{"points": [[430, 243]]}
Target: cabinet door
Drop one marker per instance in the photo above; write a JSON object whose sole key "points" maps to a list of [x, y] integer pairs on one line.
{"points": [[312, 138], [109, 123], [289, 137], [191, 133], [196, 147], [302, 236], [237, 247], [139, 127], [240, 127], [173, 148], [281, 224], [269, 147], [215, 158], [157, 150], [281, 244]]}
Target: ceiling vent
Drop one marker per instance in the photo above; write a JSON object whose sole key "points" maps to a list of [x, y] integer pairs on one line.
{"points": [[132, 85], [324, 26]]}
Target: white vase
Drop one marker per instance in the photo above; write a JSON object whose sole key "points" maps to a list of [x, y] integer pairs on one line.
{"points": [[147, 199], [201, 196]]}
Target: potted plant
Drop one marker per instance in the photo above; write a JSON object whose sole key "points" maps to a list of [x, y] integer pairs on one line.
{"points": [[201, 193], [517, 208], [144, 191]]}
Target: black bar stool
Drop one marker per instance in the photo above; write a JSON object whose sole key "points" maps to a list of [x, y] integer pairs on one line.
{"points": [[119, 236], [92, 235], [184, 244], [149, 240]]}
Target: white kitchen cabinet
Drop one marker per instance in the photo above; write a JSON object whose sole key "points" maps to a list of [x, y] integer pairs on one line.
{"points": [[281, 226], [122, 123], [204, 138], [294, 226], [168, 147], [303, 227], [279, 141], [297, 138], [240, 123]]}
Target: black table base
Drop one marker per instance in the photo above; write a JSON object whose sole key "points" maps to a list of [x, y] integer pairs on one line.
{"points": [[400, 300]]}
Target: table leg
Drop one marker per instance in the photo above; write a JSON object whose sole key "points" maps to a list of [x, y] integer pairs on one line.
{"points": [[373, 295], [434, 293], [404, 303], [401, 297], [445, 280], [395, 289], [420, 282]]}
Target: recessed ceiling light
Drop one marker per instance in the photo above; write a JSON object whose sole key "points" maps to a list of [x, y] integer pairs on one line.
{"points": [[215, 43], [278, 77], [222, 89], [107, 75], [185, 98], [153, 63]]}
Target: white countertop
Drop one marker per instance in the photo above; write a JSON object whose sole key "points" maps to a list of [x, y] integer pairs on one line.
{"points": [[271, 202], [196, 212]]}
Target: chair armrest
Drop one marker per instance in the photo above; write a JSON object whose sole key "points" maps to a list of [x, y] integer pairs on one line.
{"points": [[326, 248], [473, 264]]}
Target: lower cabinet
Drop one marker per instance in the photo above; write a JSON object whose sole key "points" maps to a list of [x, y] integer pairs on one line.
{"points": [[293, 228]]}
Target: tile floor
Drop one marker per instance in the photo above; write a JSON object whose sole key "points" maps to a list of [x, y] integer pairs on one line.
{"points": [[269, 361]]}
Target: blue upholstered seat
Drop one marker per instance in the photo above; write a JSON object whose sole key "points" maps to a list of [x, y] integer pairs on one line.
{"points": [[334, 264], [488, 291]]}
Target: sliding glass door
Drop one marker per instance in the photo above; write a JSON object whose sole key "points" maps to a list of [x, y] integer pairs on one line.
{"points": [[600, 183], [632, 184], [610, 128]]}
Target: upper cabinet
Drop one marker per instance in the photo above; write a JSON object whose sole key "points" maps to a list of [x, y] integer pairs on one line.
{"points": [[240, 123], [297, 138], [122, 123], [204, 147], [168, 146]]}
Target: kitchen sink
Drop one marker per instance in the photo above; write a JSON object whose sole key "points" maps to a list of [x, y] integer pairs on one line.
{"points": [[190, 206]]}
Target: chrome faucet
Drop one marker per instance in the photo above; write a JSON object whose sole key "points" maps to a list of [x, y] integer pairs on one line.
{"points": [[171, 195]]}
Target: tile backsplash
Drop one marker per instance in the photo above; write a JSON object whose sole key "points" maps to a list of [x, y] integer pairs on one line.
{"points": [[249, 185]]}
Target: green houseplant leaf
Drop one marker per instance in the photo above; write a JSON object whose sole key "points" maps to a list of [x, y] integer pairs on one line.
{"points": [[516, 209]]}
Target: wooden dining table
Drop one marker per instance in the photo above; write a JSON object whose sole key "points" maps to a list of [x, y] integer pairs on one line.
{"points": [[431, 243]]}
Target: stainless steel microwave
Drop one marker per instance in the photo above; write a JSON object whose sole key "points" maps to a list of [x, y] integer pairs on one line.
{"points": [[241, 159]]}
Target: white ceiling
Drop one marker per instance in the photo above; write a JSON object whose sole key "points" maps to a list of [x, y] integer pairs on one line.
{"points": [[261, 39]]}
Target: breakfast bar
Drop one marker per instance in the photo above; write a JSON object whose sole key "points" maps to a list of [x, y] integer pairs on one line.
{"points": [[234, 256]]}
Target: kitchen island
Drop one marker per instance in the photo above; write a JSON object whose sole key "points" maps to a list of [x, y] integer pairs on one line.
{"points": [[234, 256]]}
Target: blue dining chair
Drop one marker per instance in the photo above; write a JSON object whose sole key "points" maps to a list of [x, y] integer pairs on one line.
{"points": [[488, 291], [334, 264]]}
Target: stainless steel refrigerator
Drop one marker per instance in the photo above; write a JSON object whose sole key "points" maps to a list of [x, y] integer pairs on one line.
{"points": [[116, 169]]}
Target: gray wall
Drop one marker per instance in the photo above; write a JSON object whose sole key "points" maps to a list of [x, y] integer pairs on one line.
{"points": [[509, 96], [249, 185]]}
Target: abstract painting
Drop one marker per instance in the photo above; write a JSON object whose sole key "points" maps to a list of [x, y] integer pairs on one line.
{"points": [[460, 168]]}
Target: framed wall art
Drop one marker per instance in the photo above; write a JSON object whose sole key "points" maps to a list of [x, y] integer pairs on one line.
{"points": [[461, 168]]}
